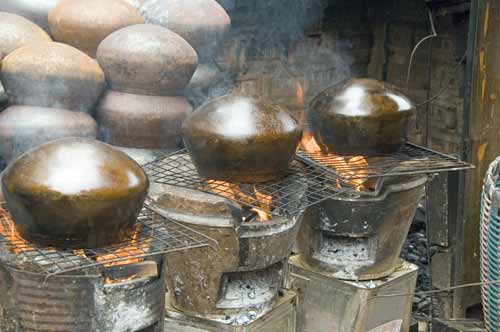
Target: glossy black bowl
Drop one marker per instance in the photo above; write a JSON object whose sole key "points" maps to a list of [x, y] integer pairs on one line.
{"points": [[360, 117]]}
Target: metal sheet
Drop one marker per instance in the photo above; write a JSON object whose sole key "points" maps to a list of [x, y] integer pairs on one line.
{"points": [[282, 318], [329, 304]]}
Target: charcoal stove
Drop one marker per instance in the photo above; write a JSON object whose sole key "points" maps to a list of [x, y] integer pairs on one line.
{"points": [[114, 289], [359, 236], [255, 226], [237, 283]]}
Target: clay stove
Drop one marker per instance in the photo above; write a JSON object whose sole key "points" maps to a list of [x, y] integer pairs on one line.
{"points": [[238, 282], [114, 289], [359, 236], [255, 226]]}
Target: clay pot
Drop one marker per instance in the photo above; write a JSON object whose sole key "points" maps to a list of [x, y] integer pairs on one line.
{"points": [[26, 127], [241, 139], [85, 23], [36, 11], [74, 193], [139, 121], [147, 59], [16, 31], [203, 23], [360, 117], [52, 75]]}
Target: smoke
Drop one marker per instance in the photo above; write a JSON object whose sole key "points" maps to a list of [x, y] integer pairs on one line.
{"points": [[278, 50]]}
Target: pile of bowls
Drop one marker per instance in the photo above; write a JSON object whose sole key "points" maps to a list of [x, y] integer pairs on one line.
{"points": [[147, 68]]}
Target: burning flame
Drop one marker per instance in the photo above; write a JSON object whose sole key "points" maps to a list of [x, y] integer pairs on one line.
{"points": [[352, 168], [234, 192], [9, 231], [299, 103], [309, 144], [19, 245]]}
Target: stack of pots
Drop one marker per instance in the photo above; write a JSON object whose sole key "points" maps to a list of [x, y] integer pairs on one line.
{"points": [[51, 88], [36, 11], [202, 23], [147, 68], [85, 23], [15, 32]]}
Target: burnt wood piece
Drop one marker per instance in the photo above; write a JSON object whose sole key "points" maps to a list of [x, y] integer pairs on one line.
{"points": [[74, 192], [147, 59], [203, 23], [36, 11], [52, 75], [241, 139], [16, 31], [140, 121], [25, 127], [85, 23], [360, 117]]}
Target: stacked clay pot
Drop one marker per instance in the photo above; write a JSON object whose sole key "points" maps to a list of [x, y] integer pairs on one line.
{"points": [[147, 68], [203, 24], [36, 11], [85, 23], [51, 88], [15, 32]]}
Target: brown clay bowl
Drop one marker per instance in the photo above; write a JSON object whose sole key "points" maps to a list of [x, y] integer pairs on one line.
{"points": [[74, 192], [240, 139], [360, 117]]}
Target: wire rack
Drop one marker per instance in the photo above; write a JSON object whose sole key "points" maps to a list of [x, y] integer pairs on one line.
{"points": [[411, 159], [153, 235], [304, 186]]}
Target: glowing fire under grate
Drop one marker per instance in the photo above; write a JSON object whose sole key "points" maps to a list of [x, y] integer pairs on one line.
{"points": [[411, 159], [153, 235], [278, 198]]}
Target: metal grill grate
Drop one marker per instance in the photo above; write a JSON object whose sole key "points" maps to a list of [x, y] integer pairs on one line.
{"points": [[411, 159], [317, 185], [153, 235]]}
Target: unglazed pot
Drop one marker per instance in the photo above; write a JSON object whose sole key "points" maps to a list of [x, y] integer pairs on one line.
{"points": [[85, 23], [203, 23], [141, 121], [74, 192], [360, 117], [241, 139], [16, 31], [52, 75], [26, 127], [147, 59], [36, 11]]}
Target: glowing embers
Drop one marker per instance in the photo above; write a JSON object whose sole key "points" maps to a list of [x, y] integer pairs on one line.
{"points": [[353, 169], [411, 159], [152, 235], [245, 192], [303, 186]]}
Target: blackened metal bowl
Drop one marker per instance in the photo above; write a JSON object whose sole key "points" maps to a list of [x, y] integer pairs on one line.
{"points": [[360, 117], [74, 192], [240, 139]]}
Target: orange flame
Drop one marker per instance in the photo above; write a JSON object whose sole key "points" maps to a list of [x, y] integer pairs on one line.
{"points": [[308, 143], [233, 191], [300, 103], [353, 168], [9, 231], [19, 245]]}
